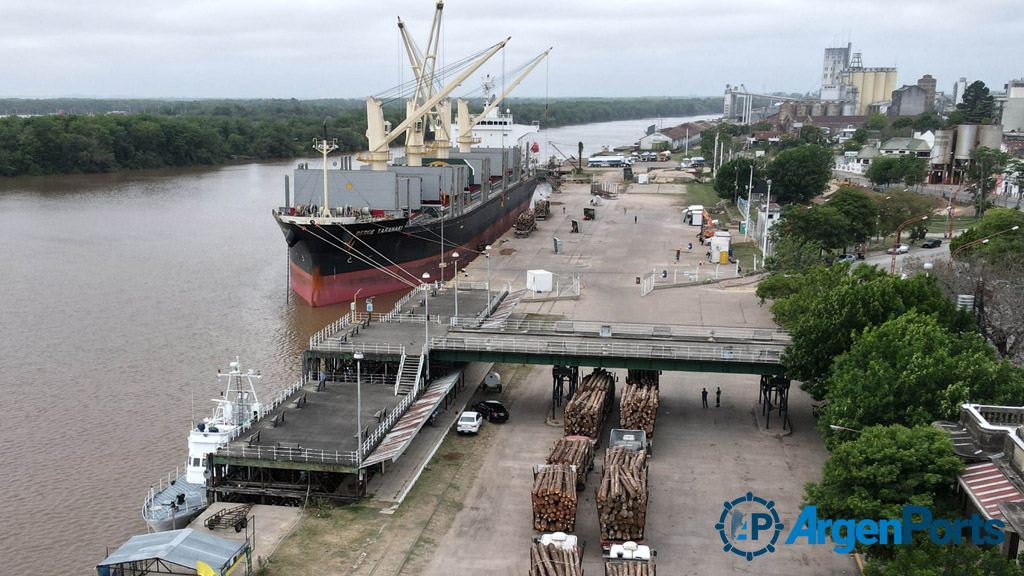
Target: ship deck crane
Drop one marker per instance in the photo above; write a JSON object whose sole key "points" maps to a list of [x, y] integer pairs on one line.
{"points": [[424, 66], [380, 133], [466, 125]]}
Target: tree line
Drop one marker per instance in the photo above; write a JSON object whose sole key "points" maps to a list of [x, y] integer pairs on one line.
{"points": [[888, 356], [112, 135]]}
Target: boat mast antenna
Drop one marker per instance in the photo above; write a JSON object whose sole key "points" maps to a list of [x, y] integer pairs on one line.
{"points": [[325, 147]]}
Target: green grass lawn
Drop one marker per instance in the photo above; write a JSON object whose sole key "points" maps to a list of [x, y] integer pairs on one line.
{"points": [[744, 253], [937, 224], [703, 194]]}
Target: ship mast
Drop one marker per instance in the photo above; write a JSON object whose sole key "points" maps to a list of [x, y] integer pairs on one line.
{"points": [[325, 148]]}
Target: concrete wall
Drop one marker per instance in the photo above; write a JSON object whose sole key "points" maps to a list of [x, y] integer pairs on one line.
{"points": [[1013, 109], [909, 101]]}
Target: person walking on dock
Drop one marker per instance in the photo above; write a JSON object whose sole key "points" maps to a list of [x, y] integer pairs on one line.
{"points": [[704, 397], [718, 397], [634, 219]]}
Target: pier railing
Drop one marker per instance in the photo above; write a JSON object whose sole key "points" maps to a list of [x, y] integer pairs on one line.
{"points": [[364, 347], [290, 454], [375, 437], [570, 327], [409, 318], [647, 349], [329, 330]]}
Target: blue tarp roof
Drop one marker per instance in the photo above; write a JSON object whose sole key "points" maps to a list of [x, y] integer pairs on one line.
{"points": [[181, 547]]}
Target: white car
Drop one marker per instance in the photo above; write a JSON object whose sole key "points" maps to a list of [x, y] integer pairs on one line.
{"points": [[469, 423], [901, 249]]}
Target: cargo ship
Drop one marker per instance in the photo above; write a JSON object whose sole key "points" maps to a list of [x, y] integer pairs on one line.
{"points": [[381, 227]]}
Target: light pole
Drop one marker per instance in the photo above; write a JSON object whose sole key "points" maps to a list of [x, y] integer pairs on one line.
{"points": [[455, 258], [976, 242], [487, 257], [359, 410], [746, 217], [353, 308], [767, 203], [843, 429], [896, 240], [426, 324]]}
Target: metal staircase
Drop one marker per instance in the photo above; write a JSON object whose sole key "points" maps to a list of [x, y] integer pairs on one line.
{"points": [[408, 375]]}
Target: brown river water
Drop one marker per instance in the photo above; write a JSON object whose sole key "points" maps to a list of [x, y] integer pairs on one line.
{"points": [[120, 297]]}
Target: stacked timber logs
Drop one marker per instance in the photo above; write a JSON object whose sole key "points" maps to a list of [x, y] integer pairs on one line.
{"points": [[526, 222], [585, 413], [554, 498], [553, 560], [632, 568], [638, 408], [577, 451], [622, 496]]}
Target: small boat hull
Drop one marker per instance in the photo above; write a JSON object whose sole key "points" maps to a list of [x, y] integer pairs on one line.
{"points": [[189, 500]]}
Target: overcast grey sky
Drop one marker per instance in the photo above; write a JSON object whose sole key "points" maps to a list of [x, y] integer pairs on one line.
{"points": [[319, 49]]}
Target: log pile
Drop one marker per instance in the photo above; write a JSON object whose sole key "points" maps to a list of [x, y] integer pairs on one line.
{"points": [[632, 568], [622, 496], [577, 451], [552, 560], [554, 499], [585, 413], [525, 222], [638, 408], [542, 209]]}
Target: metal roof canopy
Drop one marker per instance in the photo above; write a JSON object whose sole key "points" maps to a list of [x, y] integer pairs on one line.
{"points": [[161, 552]]}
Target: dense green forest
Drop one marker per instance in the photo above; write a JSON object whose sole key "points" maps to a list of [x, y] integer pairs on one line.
{"points": [[90, 136]]}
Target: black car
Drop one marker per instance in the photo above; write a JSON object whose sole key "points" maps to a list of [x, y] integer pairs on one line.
{"points": [[492, 410], [933, 243]]}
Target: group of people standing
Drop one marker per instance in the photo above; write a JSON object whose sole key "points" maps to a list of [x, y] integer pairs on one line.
{"points": [[718, 397]]}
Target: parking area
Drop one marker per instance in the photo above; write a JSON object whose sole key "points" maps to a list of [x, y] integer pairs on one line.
{"points": [[703, 457]]}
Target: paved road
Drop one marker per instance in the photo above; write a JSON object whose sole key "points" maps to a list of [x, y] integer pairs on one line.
{"points": [[703, 457]]}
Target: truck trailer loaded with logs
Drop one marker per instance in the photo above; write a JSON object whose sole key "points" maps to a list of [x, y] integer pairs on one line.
{"points": [[554, 498], [577, 451], [622, 497], [590, 405], [557, 554]]}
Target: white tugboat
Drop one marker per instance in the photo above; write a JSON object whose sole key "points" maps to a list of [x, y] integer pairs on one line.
{"points": [[176, 501]]}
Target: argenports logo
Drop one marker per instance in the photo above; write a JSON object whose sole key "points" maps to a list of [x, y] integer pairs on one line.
{"points": [[749, 526]]}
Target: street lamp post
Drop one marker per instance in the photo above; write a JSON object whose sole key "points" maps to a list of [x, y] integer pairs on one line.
{"points": [[426, 325], [455, 258], [359, 410], [976, 242], [896, 240], [767, 203], [487, 257], [353, 307], [746, 217]]}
